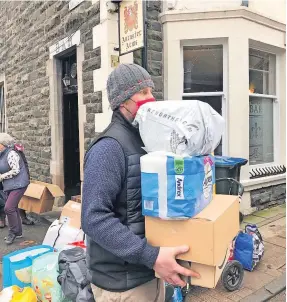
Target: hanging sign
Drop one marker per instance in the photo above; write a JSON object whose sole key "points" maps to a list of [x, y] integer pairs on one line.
{"points": [[131, 26]]}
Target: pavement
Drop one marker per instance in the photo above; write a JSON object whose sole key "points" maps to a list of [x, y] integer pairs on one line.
{"points": [[268, 281]]}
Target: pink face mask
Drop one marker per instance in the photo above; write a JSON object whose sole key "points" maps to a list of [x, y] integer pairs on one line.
{"points": [[140, 103]]}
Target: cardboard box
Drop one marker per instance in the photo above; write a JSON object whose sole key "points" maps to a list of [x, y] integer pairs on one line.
{"points": [[208, 235], [71, 214], [39, 197]]}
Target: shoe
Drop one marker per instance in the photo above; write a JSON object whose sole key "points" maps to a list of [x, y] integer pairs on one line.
{"points": [[17, 236], [10, 238], [27, 221]]}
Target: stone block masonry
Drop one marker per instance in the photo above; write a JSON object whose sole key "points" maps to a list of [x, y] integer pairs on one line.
{"points": [[28, 29], [269, 196]]}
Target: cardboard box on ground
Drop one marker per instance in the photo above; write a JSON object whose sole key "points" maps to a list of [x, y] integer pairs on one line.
{"points": [[39, 197], [209, 235], [71, 214]]}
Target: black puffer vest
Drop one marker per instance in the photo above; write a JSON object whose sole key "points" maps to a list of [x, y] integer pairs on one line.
{"points": [[108, 271]]}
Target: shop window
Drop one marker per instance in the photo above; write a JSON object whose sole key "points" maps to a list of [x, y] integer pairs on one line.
{"points": [[203, 79], [262, 83]]}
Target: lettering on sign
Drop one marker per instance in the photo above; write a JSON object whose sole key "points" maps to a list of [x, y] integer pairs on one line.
{"points": [[131, 26]]}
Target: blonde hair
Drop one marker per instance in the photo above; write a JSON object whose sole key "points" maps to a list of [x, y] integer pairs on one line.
{"points": [[6, 139]]}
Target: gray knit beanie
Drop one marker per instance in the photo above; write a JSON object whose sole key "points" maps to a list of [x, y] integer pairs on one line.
{"points": [[125, 81]]}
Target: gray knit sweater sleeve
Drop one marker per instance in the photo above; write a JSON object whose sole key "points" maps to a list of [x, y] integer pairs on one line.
{"points": [[103, 177]]}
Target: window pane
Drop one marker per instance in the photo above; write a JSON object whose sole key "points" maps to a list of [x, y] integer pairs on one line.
{"points": [[203, 68], [261, 148], [216, 103], [262, 72]]}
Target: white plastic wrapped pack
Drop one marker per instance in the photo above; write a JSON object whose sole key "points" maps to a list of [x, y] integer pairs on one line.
{"points": [[187, 128]]}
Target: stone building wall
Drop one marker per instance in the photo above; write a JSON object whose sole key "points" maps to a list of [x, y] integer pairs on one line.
{"points": [[27, 30], [269, 196]]}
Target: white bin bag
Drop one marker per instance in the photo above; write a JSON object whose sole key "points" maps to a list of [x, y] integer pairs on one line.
{"points": [[187, 128]]}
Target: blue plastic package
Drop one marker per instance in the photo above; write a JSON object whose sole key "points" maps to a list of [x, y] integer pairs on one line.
{"points": [[175, 187]]}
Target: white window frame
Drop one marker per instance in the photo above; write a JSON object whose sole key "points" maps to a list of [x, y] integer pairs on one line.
{"points": [[224, 93], [276, 111]]}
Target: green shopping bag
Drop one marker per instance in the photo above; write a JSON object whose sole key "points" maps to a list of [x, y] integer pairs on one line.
{"points": [[45, 271]]}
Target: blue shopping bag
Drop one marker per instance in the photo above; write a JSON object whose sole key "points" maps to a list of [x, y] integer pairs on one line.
{"points": [[249, 247], [17, 266]]}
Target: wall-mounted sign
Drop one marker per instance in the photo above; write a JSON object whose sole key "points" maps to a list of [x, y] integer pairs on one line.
{"points": [[131, 26], [115, 61]]}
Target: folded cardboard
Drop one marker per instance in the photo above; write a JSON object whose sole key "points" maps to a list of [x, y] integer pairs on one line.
{"points": [[39, 197], [208, 235], [71, 214]]}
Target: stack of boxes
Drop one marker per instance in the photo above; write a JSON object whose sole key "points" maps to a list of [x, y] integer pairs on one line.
{"points": [[181, 208]]}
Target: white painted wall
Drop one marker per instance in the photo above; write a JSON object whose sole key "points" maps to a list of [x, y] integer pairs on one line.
{"points": [[105, 35], [274, 9], [238, 33]]}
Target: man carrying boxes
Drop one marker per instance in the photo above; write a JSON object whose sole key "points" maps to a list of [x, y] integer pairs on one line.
{"points": [[121, 262]]}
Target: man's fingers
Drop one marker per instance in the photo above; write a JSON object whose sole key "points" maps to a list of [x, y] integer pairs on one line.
{"points": [[186, 272], [180, 250], [178, 281], [169, 281]]}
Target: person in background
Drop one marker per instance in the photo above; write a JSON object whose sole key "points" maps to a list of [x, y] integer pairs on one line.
{"points": [[121, 263], [14, 175]]}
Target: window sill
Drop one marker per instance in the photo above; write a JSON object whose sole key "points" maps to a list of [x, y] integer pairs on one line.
{"points": [[258, 183]]}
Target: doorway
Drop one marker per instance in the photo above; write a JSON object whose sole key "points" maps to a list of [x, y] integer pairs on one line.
{"points": [[71, 144]]}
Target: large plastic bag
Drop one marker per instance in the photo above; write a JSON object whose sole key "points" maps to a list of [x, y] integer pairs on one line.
{"points": [[187, 128], [60, 234], [16, 294], [17, 266], [45, 271]]}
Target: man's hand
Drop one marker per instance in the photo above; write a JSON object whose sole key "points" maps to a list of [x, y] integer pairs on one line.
{"points": [[167, 267]]}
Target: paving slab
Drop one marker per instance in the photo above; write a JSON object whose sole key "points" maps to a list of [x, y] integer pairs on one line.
{"points": [[256, 279], [269, 220], [273, 229], [277, 285], [253, 219], [270, 212], [280, 297], [268, 291]]}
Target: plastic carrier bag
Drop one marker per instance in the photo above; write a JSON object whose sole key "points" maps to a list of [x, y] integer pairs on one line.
{"points": [[249, 247], [17, 266], [16, 294], [45, 271], [185, 128]]}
